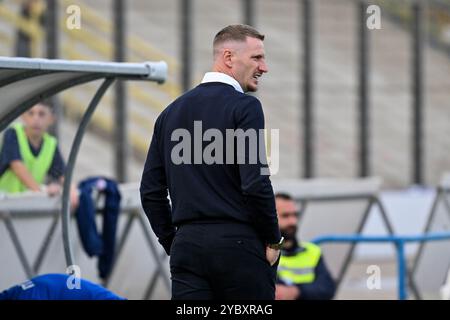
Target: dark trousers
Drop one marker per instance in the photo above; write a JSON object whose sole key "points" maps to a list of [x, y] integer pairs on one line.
{"points": [[225, 261]]}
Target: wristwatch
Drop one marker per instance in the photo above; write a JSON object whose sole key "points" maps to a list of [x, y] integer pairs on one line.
{"points": [[276, 246]]}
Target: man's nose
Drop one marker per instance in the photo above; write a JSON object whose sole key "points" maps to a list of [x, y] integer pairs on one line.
{"points": [[293, 221], [263, 67]]}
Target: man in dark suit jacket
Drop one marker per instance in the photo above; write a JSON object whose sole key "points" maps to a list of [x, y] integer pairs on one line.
{"points": [[221, 227]]}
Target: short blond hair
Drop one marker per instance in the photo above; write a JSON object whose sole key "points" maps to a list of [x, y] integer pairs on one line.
{"points": [[236, 32]]}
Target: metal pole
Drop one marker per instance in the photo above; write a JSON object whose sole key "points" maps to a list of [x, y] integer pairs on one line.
{"points": [[384, 216], [17, 245], [120, 246], [307, 61], [52, 29], [186, 44], [53, 53], [249, 12], [45, 244], [439, 194], [401, 267], [417, 93], [363, 103], [159, 265], [71, 164], [121, 139], [349, 258]]}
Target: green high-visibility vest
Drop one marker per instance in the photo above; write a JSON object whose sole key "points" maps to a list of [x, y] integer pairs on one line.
{"points": [[299, 268], [38, 166]]}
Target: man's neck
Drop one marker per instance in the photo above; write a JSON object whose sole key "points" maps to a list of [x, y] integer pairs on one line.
{"points": [[221, 69], [217, 68]]}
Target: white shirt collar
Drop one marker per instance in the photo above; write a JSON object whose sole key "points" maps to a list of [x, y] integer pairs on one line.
{"points": [[222, 77]]}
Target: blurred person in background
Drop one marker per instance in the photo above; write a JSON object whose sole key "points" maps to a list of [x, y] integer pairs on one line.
{"points": [[30, 159], [302, 272]]}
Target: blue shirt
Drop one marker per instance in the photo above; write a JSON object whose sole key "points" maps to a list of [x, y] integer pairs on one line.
{"points": [[10, 151], [55, 287]]}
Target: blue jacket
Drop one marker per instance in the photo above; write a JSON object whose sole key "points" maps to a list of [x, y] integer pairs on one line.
{"points": [[54, 287], [95, 244], [323, 287]]}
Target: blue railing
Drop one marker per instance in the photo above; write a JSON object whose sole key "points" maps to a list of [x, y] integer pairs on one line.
{"points": [[399, 242]]}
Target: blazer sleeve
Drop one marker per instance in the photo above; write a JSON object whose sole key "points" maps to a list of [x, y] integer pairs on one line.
{"points": [[256, 186], [154, 194]]}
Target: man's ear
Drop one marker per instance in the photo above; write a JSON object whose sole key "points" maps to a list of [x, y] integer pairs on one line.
{"points": [[227, 58]]}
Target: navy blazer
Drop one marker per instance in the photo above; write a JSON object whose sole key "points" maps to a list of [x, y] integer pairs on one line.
{"points": [[200, 190]]}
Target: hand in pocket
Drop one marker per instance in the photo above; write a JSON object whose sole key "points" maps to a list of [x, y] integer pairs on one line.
{"points": [[272, 255]]}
